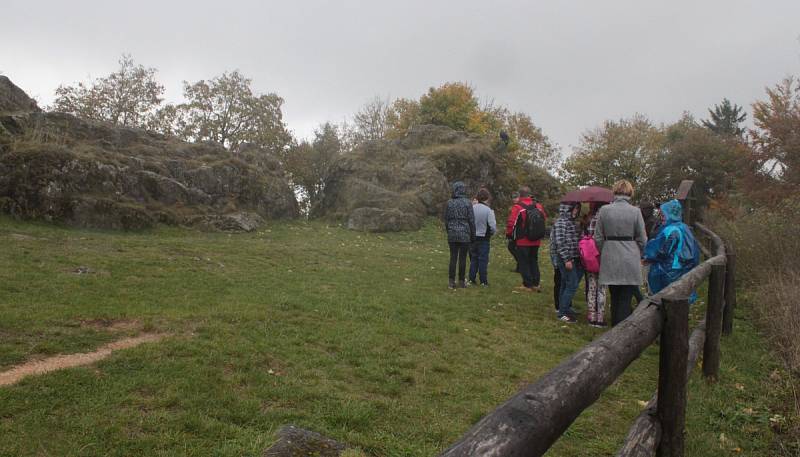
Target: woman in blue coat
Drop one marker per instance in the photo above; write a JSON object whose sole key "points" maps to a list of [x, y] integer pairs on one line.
{"points": [[673, 251]]}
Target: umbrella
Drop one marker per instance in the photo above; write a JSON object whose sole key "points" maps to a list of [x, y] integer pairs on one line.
{"points": [[589, 194]]}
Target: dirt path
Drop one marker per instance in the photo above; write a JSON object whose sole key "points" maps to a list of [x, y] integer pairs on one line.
{"points": [[60, 362]]}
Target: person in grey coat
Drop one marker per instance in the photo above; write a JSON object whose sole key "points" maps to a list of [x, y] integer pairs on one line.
{"points": [[459, 221], [620, 237]]}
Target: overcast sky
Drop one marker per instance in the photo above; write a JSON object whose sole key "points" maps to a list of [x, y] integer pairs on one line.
{"points": [[568, 64]]}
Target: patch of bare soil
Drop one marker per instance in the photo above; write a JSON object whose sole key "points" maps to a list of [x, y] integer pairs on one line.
{"points": [[61, 362], [111, 325]]}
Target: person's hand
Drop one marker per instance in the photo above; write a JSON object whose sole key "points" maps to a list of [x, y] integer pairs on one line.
{"points": [[568, 265]]}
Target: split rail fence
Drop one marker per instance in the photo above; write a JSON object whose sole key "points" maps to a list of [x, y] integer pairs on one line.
{"points": [[532, 420]]}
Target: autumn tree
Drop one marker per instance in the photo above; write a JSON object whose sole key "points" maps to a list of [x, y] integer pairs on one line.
{"points": [[403, 114], [454, 105], [726, 119], [128, 97], [225, 110], [691, 151], [624, 149], [776, 138], [309, 162], [528, 142]]}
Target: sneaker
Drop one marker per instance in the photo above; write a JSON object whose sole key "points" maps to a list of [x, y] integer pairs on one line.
{"points": [[451, 284], [484, 284], [471, 283], [536, 289], [462, 284], [524, 289], [598, 324], [568, 319]]}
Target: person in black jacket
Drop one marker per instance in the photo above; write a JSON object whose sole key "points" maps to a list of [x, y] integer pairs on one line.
{"points": [[459, 220]]}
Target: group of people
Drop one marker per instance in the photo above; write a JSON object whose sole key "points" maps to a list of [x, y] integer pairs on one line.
{"points": [[609, 247]]}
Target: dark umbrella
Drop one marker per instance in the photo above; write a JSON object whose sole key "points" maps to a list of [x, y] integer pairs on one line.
{"points": [[589, 194]]}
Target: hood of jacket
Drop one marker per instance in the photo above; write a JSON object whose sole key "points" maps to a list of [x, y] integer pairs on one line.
{"points": [[565, 209], [459, 189], [672, 211]]}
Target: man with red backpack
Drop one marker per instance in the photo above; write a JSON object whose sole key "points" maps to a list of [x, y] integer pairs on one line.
{"points": [[525, 226]]}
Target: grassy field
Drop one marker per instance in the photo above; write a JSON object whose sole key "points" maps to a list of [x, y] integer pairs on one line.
{"points": [[352, 335]]}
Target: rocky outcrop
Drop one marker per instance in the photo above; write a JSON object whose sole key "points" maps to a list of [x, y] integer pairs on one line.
{"points": [[57, 167], [15, 100], [392, 185]]}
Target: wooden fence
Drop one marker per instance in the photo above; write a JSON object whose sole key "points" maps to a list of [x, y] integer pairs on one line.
{"points": [[532, 420]]}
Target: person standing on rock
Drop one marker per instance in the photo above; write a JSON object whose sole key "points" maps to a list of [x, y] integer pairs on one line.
{"points": [[485, 227], [459, 221], [527, 250], [620, 236]]}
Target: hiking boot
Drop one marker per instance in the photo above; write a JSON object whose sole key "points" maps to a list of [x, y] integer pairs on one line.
{"points": [[567, 319]]}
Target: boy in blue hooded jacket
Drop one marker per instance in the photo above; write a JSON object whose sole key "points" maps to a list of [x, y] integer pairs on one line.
{"points": [[673, 251]]}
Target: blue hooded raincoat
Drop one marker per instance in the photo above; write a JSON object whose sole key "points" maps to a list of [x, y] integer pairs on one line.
{"points": [[673, 251]]}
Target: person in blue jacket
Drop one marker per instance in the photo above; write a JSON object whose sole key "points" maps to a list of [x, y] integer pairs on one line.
{"points": [[672, 251]]}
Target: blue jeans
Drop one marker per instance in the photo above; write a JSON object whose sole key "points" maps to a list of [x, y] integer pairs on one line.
{"points": [[479, 260], [570, 279]]}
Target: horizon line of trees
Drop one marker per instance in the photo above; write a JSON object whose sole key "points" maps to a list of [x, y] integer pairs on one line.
{"points": [[718, 152]]}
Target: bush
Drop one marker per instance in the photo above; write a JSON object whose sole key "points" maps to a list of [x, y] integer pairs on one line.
{"points": [[767, 242]]}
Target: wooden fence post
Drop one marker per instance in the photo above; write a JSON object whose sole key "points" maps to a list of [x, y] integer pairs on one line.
{"points": [[730, 290], [672, 377], [716, 301]]}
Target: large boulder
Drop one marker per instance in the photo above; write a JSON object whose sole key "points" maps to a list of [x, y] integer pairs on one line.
{"points": [[57, 167], [392, 185]]}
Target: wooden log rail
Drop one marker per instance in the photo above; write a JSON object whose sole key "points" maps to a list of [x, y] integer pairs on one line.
{"points": [[533, 419]]}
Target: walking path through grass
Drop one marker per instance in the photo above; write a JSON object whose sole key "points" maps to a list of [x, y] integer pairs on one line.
{"points": [[349, 334], [61, 362]]}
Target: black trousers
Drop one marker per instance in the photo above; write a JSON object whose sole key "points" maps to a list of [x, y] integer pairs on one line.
{"points": [[512, 248], [458, 253], [620, 302], [556, 285], [528, 262]]}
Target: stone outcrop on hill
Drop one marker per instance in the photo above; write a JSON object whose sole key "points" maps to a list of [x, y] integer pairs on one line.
{"points": [[13, 99], [391, 185], [57, 167]]}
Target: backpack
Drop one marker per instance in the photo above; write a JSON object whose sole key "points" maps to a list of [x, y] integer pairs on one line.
{"points": [[529, 224], [590, 256]]}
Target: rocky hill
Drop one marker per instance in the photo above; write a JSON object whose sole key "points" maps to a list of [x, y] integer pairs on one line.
{"points": [[57, 167], [391, 185]]}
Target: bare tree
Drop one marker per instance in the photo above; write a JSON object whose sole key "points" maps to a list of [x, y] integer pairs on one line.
{"points": [[130, 96]]}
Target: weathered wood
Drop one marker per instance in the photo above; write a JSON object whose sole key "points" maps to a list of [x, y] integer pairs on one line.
{"points": [[705, 250], [645, 433], [716, 301], [718, 247], [533, 419], [686, 195], [730, 290], [673, 355]]}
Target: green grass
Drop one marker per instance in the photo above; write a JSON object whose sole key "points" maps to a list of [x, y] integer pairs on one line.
{"points": [[352, 335]]}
